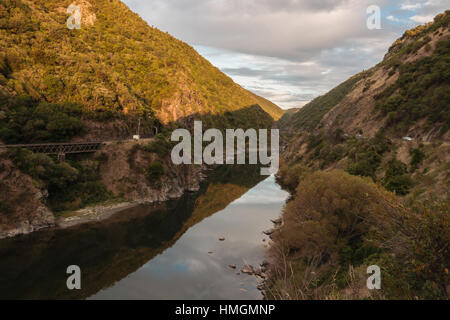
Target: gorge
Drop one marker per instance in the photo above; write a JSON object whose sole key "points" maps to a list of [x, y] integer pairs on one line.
{"points": [[362, 180]]}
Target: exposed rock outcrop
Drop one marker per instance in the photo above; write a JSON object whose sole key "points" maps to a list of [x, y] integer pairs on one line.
{"points": [[124, 174], [21, 203]]}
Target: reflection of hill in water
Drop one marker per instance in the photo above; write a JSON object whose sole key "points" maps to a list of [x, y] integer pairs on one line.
{"points": [[34, 266]]}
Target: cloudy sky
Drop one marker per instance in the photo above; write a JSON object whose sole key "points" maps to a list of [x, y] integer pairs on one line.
{"points": [[289, 51]]}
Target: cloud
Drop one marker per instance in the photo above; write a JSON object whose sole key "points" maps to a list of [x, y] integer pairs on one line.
{"points": [[286, 50], [409, 6], [290, 29], [422, 19], [392, 18], [267, 192]]}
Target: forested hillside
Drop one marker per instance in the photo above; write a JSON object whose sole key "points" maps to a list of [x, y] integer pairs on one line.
{"points": [[115, 63], [101, 83]]}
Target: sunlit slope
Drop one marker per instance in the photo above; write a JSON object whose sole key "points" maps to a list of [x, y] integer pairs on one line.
{"points": [[390, 123], [115, 62], [406, 94]]}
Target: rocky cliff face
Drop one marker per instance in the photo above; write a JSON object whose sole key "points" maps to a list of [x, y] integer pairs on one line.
{"points": [[124, 174], [22, 205]]}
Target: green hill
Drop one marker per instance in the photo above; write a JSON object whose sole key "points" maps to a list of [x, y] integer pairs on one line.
{"points": [[116, 62], [387, 127], [412, 83], [390, 122]]}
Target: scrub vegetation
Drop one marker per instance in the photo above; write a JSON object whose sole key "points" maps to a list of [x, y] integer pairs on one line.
{"points": [[115, 63], [367, 167], [337, 225]]}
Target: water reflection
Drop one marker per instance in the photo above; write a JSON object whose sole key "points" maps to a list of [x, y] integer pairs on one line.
{"points": [[154, 252]]}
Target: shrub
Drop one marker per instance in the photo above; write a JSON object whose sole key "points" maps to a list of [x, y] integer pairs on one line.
{"points": [[102, 157], [415, 264], [392, 104], [323, 230], [4, 207], [366, 155], [154, 171], [60, 176], [92, 192], [421, 91], [314, 141], [366, 164], [399, 184], [396, 178], [26, 121], [417, 157], [336, 222], [66, 182], [289, 176], [161, 146]]}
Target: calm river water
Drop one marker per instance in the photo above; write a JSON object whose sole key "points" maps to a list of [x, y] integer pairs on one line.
{"points": [[164, 251]]}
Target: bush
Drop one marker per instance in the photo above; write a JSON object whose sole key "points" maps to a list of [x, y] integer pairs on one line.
{"points": [[4, 207], [60, 177], [154, 171], [102, 157], [392, 104], [66, 182], [396, 178], [417, 157], [401, 185], [289, 176], [161, 146], [323, 231], [336, 222], [92, 192], [366, 164], [415, 264], [366, 155], [27, 121]]}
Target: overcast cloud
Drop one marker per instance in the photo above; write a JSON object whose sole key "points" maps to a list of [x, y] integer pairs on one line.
{"points": [[289, 51]]}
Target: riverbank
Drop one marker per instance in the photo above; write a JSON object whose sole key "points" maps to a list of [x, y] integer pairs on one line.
{"points": [[35, 188], [92, 214], [169, 250], [337, 225]]}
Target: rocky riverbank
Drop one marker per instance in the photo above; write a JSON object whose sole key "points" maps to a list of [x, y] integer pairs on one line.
{"points": [[123, 172]]}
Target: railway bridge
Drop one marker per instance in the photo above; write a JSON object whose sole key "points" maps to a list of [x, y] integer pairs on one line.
{"points": [[59, 149]]}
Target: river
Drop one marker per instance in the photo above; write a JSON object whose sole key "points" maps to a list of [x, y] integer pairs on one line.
{"points": [[164, 251]]}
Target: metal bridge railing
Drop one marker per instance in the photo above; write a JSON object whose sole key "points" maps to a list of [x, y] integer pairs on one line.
{"points": [[58, 148]]}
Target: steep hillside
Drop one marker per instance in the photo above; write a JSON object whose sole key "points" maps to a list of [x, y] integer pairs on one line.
{"points": [[99, 83], [387, 127], [114, 63], [285, 119], [390, 122]]}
